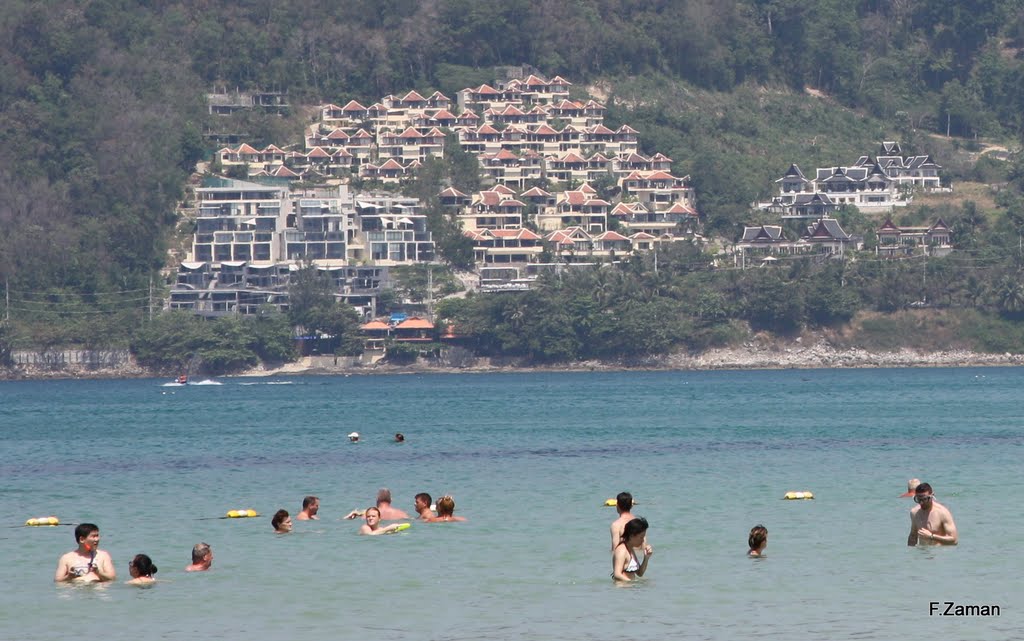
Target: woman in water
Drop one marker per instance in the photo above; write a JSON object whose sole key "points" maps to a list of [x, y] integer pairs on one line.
{"points": [[625, 566], [142, 570], [372, 526], [758, 540], [446, 511], [282, 522]]}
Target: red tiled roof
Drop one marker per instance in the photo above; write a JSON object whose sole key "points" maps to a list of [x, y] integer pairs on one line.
{"points": [[415, 322], [660, 175], [412, 96], [284, 172], [610, 235], [502, 189], [246, 149], [317, 152], [353, 106], [375, 325], [451, 192], [391, 164], [534, 191]]}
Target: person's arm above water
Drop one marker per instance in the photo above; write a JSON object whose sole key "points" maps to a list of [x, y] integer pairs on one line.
{"points": [[946, 523], [912, 539], [103, 566], [648, 551], [62, 573], [620, 558]]}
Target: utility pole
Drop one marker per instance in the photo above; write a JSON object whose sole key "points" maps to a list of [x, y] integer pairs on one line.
{"points": [[149, 301]]}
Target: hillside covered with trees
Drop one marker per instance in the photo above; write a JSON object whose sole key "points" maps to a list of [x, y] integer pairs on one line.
{"points": [[103, 120]]}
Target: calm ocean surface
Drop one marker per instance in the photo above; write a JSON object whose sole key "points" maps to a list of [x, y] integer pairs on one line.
{"points": [[530, 459]]}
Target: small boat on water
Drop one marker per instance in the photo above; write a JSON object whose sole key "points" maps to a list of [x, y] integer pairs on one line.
{"points": [[182, 380]]}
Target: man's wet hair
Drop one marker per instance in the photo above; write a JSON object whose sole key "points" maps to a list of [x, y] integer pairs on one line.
{"points": [[309, 500], [383, 495], [923, 488], [624, 501], [423, 496], [758, 534], [199, 552]]}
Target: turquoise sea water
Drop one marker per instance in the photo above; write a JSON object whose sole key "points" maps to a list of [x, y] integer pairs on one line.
{"points": [[530, 459]]}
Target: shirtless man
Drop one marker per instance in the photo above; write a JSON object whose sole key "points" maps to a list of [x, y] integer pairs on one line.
{"points": [[911, 487], [931, 523], [310, 506], [388, 513], [423, 511], [88, 563], [624, 505], [202, 558]]}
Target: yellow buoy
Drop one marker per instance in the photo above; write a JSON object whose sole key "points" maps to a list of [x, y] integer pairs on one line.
{"points": [[798, 496], [402, 526], [242, 514], [43, 520]]}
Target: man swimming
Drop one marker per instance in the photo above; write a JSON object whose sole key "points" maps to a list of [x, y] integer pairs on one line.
{"points": [[931, 523], [422, 502], [623, 505], [202, 558], [87, 563], [310, 506]]}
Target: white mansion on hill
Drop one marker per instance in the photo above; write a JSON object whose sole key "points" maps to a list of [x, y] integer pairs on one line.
{"points": [[873, 186]]}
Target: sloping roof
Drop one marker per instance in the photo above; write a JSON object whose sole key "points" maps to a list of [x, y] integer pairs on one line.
{"points": [[451, 192], [412, 96], [415, 322], [353, 106], [375, 325]]}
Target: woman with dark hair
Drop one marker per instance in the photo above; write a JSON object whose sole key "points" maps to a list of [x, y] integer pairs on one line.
{"points": [[282, 522], [142, 570], [758, 540], [625, 566]]}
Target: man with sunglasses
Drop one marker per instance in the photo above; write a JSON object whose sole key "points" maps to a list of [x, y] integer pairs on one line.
{"points": [[931, 523]]}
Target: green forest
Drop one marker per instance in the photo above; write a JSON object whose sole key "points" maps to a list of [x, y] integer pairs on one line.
{"points": [[103, 115]]}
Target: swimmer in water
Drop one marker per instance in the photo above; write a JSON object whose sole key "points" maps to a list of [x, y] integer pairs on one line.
{"points": [[757, 541], [87, 563], [372, 526], [422, 502], [931, 522], [282, 522], [142, 570], [310, 507], [202, 558], [625, 565], [446, 511]]}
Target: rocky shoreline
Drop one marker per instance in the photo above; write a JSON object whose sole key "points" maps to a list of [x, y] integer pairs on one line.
{"points": [[751, 355]]}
